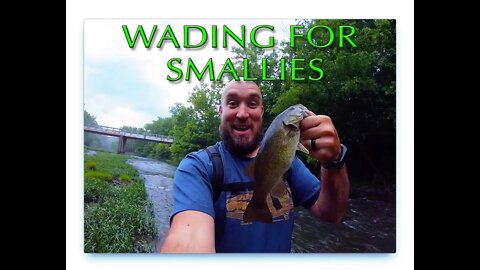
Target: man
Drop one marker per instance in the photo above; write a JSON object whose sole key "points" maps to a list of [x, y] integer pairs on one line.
{"points": [[198, 224]]}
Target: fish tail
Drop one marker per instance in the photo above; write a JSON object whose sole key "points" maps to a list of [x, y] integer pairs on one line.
{"points": [[257, 211]]}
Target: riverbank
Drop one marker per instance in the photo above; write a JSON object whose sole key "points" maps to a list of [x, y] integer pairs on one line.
{"points": [[118, 217], [369, 225], [158, 179]]}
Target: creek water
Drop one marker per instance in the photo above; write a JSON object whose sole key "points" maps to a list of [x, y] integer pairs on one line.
{"points": [[369, 225]]}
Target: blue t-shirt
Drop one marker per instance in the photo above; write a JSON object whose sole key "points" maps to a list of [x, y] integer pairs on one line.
{"points": [[192, 190]]}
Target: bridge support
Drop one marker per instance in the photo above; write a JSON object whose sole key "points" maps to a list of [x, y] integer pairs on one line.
{"points": [[122, 140]]}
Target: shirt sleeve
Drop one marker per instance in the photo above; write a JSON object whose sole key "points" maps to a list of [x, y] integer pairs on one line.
{"points": [[304, 185], [192, 189]]}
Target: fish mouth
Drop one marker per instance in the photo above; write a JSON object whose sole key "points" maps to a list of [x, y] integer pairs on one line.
{"points": [[293, 126], [293, 120]]}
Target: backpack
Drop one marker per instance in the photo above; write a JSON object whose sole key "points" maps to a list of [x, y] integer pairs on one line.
{"points": [[219, 186]]}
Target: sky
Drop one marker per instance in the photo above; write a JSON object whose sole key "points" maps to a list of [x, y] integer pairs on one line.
{"points": [[83, 89], [129, 87]]}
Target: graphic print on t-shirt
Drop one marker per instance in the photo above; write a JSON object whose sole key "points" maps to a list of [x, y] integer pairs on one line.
{"points": [[279, 207]]}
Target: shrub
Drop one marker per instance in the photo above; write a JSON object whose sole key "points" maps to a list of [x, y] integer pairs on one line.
{"points": [[91, 166], [91, 175], [125, 178]]}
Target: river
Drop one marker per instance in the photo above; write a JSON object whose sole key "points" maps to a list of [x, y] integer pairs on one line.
{"points": [[369, 225]]}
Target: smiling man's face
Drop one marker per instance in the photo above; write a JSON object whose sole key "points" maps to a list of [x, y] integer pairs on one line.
{"points": [[241, 114]]}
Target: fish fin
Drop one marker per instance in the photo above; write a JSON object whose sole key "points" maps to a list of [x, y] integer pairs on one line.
{"points": [[257, 212], [280, 189], [250, 169], [302, 148]]}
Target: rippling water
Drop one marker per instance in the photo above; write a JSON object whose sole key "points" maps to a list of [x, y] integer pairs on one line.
{"points": [[158, 177], [369, 225]]}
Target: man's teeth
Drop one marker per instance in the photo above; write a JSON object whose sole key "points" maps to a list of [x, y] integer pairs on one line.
{"points": [[241, 128]]}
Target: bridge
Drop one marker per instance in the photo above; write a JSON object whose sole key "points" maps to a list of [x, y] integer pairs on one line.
{"points": [[123, 135]]}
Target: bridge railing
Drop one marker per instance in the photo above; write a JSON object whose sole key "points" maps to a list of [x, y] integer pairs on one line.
{"points": [[123, 132]]}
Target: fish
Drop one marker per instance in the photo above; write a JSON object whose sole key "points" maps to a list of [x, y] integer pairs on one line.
{"points": [[275, 156]]}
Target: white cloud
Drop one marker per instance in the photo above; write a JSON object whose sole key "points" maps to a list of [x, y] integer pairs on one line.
{"points": [[123, 116], [111, 111], [105, 46]]}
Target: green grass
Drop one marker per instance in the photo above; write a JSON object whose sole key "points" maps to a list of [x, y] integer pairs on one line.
{"points": [[125, 178], [118, 218], [91, 166], [96, 175]]}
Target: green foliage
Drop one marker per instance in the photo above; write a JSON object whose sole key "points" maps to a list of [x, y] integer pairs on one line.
{"points": [[125, 178], [96, 190], [91, 166], [357, 92], [95, 175], [161, 151], [196, 126], [118, 222], [97, 141], [291, 96], [161, 126], [89, 119], [90, 139], [112, 163], [118, 218]]}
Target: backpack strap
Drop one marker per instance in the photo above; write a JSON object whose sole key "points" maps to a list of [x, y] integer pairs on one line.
{"points": [[218, 175], [214, 155]]}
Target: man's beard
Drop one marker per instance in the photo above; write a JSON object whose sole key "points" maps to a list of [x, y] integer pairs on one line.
{"points": [[240, 146]]}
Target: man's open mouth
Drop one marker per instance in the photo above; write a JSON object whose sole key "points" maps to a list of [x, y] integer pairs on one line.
{"points": [[241, 128]]}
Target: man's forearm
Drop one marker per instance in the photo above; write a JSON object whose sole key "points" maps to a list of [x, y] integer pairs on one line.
{"points": [[190, 232], [332, 203]]}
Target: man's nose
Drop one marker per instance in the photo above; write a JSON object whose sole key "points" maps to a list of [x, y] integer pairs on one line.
{"points": [[242, 112]]}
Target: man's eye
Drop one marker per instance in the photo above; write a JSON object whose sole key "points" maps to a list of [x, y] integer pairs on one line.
{"points": [[252, 104], [232, 103]]}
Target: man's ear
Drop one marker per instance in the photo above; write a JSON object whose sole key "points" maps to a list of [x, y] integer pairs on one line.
{"points": [[220, 109]]}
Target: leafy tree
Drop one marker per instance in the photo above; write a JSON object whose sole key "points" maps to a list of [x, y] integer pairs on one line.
{"points": [[182, 131], [89, 119], [161, 126], [357, 91], [196, 126], [161, 151], [107, 143], [90, 139]]}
